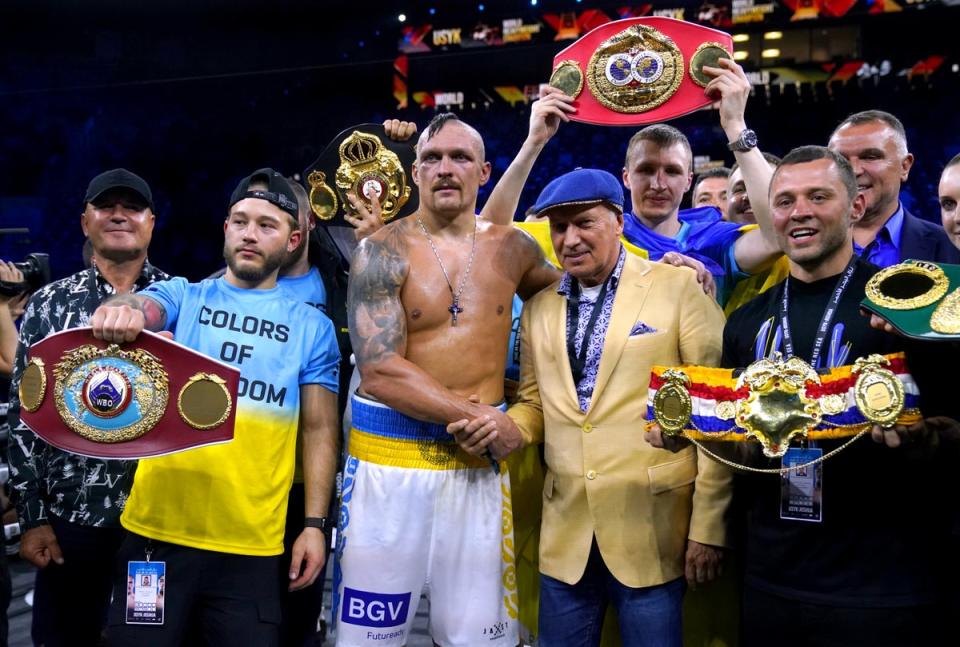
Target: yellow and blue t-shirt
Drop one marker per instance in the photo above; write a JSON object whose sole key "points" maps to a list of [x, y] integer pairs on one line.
{"points": [[232, 498]]}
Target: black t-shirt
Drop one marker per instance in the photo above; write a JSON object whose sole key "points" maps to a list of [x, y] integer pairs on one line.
{"points": [[878, 544]]}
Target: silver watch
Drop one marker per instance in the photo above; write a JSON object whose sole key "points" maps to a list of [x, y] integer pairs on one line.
{"points": [[743, 143]]}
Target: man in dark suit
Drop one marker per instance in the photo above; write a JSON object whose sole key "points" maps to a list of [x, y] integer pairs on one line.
{"points": [[875, 144]]}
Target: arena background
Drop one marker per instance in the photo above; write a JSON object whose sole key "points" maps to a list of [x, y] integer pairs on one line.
{"points": [[194, 95]]}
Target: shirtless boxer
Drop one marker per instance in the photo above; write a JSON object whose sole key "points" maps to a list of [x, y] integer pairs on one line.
{"points": [[430, 314]]}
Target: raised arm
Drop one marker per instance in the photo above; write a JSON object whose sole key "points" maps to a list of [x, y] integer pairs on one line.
{"points": [[546, 113], [122, 317], [755, 250], [378, 333]]}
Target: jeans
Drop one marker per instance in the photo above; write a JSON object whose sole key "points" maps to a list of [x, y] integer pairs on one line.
{"points": [[572, 615]]}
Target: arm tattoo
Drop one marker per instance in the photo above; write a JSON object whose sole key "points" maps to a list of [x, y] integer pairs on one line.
{"points": [[376, 318], [538, 273], [154, 314]]}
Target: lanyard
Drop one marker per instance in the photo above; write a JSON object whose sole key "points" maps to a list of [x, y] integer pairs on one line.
{"points": [[578, 361], [825, 320]]}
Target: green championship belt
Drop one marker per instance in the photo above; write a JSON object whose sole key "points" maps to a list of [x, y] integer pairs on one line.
{"points": [[919, 298]]}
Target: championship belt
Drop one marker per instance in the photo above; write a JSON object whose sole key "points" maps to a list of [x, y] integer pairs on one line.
{"points": [[919, 298], [362, 160], [774, 401], [639, 70], [147, 398]]}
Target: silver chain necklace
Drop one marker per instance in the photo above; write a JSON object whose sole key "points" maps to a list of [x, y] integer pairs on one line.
{"points": [[455, 308]]}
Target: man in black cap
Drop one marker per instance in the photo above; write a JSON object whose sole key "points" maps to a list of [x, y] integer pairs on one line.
{"points": [[211, 520], [69, 506]]}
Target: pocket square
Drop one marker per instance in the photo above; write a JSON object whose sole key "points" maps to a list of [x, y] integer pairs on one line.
{"points": [[641, 328]]}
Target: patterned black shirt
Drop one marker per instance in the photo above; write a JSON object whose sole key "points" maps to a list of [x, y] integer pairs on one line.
{"points": [[46, 480]]}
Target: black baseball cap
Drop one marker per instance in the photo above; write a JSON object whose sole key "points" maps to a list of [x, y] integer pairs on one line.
{"points": [[279, 192], [118, 178]]}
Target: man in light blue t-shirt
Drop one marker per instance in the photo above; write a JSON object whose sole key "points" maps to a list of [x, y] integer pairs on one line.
{"points": [[214, 516]]}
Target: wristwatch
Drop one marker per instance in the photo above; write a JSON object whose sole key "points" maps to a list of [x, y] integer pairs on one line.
{"points": [[325, 524], [743, 143]]}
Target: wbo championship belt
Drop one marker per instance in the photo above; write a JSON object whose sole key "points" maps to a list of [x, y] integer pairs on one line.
{"points": [[362, 160], [919, 298], [775, 400], [639, 70], [147, 398]]}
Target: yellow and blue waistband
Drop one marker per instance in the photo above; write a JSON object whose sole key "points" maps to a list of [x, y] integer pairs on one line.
{"points": [[384, 436]]}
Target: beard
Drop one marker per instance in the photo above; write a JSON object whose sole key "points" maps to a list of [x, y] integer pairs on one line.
{"points": [[249, 272]]}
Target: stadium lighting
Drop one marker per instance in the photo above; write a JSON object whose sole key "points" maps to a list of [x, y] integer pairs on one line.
{"points": [[533, 3], [480, 7], [402, 17], [770, 53]]}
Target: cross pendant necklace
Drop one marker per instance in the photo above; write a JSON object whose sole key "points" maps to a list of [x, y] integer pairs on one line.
{"points": [[455, 307]]}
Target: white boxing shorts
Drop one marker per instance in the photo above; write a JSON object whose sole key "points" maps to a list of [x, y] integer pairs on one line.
{"points": [[419, 515]]}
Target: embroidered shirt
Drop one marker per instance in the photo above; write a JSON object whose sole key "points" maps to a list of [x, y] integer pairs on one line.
{"points": [[593, 338], [44, 479]]}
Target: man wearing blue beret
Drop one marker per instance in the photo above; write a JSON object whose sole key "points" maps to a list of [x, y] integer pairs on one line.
{"points": [[622, 523]]}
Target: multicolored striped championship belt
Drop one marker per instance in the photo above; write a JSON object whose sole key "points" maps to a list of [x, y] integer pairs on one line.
{"points": [[147, 398], [639, 70], [775, 400]]}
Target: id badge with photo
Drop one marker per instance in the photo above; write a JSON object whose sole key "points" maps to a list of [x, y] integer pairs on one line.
{"points": [[801, 487], [146, 587]]}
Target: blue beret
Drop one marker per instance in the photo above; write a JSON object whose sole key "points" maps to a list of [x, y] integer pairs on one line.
{"points": [[580, 186]]}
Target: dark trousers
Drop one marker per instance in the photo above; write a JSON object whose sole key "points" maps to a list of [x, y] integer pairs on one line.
{"points": [[229, 599], [773, 620], [300, 609], [70, 600]]}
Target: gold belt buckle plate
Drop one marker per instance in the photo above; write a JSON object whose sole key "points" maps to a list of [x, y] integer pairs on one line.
{"points": [[778, 408]]}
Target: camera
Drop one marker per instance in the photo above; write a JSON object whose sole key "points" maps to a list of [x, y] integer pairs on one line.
{"points": [[36, 274]]}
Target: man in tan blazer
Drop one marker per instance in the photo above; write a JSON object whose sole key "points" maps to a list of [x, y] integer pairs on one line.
{"points": [[621, 519]]}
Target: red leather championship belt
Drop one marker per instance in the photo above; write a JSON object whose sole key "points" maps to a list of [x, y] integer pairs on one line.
{"points": [[147, 398], [639, 70]]}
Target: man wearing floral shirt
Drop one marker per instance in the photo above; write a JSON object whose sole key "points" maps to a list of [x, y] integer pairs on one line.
{"points": [[69, 506]]}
